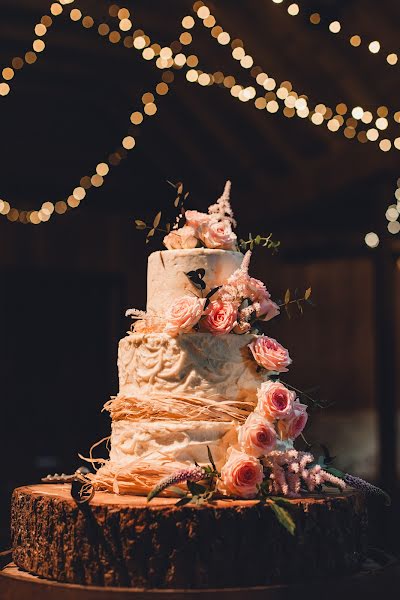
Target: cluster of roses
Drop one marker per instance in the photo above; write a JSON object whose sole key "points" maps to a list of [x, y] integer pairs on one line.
{"points": [[241, 301], [202, 229], [278, 415], [212, 230]]}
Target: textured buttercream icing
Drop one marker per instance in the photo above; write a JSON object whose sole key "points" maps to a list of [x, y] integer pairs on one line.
{"points": [[161, 442], [198, 365], [166, 279]]}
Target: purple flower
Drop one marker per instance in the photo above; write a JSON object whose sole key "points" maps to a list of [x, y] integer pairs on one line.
{"points": [[366, 487], [192, 474]]}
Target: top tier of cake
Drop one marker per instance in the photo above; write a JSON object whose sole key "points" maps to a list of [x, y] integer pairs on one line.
{"points": [[167, 281]]}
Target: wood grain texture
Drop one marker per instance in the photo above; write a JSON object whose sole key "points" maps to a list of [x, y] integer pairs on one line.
{"points": [[122, 541]]}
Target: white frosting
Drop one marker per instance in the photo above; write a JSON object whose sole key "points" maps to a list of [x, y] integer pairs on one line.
{"points": [[198, 365], [165, 442], [166, 279], [189, 391]]}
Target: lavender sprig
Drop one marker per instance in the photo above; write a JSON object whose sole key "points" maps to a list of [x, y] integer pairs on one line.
{"points": [[192, 474], [366, 487]]}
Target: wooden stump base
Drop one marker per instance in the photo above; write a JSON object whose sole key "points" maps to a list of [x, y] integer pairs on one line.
{"points": [[122, 541], [368, 584]]}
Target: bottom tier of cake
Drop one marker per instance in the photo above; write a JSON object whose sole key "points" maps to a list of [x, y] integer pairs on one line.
{"points": [[124, 541]]}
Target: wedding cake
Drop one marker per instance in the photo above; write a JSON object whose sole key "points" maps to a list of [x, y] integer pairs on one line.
{"points": [[195, 375], [204, 427]]}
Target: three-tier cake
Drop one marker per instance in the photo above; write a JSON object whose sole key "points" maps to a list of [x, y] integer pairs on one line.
{"points": [[203, 426]]}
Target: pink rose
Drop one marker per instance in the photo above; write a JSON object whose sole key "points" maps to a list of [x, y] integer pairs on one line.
{"points": [[221, 317], [194, 218], [295, 423], [270, 354], [218, 234], [257, 437], [241, 475], [267, 310], [256, 289], [257, 292], [183, 238], [184, 314], [275, 401]]}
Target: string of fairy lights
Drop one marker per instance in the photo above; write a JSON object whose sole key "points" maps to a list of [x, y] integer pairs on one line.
{"points": [[264, 94], [335, 27]]}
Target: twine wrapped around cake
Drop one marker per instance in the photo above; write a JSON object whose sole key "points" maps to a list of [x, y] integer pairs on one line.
{"points": [[137, 477], [177, 407]]}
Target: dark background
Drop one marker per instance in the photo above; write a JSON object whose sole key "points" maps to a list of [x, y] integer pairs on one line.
{"points": [[65, 284]]}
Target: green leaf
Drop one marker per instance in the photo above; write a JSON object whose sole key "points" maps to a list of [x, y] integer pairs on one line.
{"points": [[183, 501], [283, 517], [157, 220], [177, 490], [210, 458], [140, 224], [281, 499], [307, 293], [195, 488], [287, 296], [153, 493]]}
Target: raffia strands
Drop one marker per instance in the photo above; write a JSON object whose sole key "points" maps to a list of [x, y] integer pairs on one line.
{"points": [[138, 477], [190, 408]]}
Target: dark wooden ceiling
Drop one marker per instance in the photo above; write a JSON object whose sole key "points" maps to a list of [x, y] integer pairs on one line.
{"points": [[69, 110]]}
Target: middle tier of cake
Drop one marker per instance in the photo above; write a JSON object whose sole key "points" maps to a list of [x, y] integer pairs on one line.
{"points": [[196, 376]]}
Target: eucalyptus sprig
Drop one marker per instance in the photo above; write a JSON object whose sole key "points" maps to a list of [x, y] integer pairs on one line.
{"points": [[154, 227], [290, 299], [308, 399], [180, 198], [259, 240]]}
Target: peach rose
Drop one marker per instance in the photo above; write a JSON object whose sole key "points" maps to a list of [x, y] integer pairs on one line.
{"points": [[184, 314], [221, 317], [194, 218], [218, 234], [270, 354], [293, 426], [241, 475], [257, 436], [275, 401], [183, 238]]}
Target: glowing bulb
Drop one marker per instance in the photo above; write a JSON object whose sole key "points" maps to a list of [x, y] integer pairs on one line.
{"points": [[371, 239], [357, 112], [374, 47]]}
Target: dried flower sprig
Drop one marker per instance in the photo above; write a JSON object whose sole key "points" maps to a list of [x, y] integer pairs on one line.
{"points": [[195, 493], [259, 240], [364, 486], [192, 474], [290, 299], [222, 208], [291, 470]]}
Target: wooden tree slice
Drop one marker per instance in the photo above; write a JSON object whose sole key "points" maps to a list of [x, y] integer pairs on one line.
{"points": [[123, 541]]}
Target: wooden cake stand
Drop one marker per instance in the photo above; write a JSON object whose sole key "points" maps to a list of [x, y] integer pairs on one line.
{"points": [[123, 548]]}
